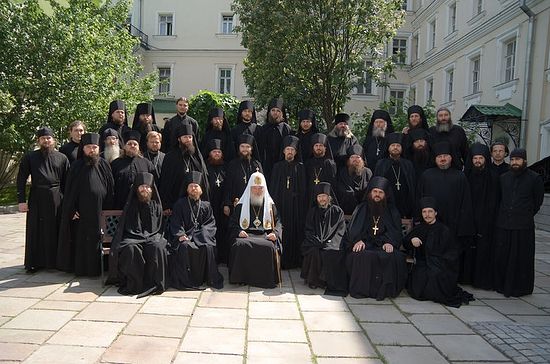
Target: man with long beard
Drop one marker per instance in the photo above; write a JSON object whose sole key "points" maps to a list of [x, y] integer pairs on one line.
{"points": [[89, 190], [177, 164], [324, 256], [416, 119], [246, 124], [218, 128], [138, 256], [522, 192], [273, 132], [288, 189], [239, 171], [116, 120], [375, 146], [127, 167], [376, 267], [70, 149], [352, 180], [111, 145], [255, 233], [48, 169], [144, 122], [320, 167], [485, 191], [445, 130], [419, 151], [341, 139], [192, 238]]}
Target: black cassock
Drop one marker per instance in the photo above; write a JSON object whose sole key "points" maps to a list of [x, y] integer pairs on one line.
{"points": [[374, 149], [350, 189], [485, 191], [451, 190], [138, 249], [521, 198], [434, 274], [459, 143], [373, 272], [193, 262], [319, 170], [48, 175], [270, 145], [339, 147], [238, 173], [241, 128], [89, 190], [216, 178], [125, 170], [401, 171], [175, 167], [228, 149], [121, 129], [156, 159], [70, 149], [501, 168], [169, 139], [324, 255], [288, 189], [252, 260]]}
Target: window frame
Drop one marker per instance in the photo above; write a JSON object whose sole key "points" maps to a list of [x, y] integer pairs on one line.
{"points": [[160, 23]]}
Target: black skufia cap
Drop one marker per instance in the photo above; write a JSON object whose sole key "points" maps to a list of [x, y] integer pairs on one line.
{"points": [[90, 138], [394, 138], [44, 131], [291, 141], [318, 138], [519, 153], [184, 129], [131, 135], [378, 182], [341, 118], [427, 202], [246, 139], [441, 148], [417, 134], [144, 178], [323, 187], [214, 144], [355, 149]]}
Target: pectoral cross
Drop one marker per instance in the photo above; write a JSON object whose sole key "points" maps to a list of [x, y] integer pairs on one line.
{"points": [[316, 181], [218, 182], [187, 170], [244, 178], [375, 229], [287, 182], [398, 185], [377, 151]]}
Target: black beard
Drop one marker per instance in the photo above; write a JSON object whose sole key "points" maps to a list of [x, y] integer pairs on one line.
{"points": [[214, 162], [519, 170], [376, 208], [187, 150], [145, 128], [274, 121], [355, 170], [92, 160], [421, 156], [245, 157], [46, 151], [444, 128], [478, 169]]}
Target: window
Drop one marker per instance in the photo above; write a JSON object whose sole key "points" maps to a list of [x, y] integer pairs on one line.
{"points": [[414, 48], [404, 5], [412, 96], [431, 35], [227, 24], [166, 24], [449, 82], [165, 74], [509, 59], [225, 76], [429, 90], [452, 18], [397, 99], [475, 69], [364, 84], [399, 50], [478, 7]]}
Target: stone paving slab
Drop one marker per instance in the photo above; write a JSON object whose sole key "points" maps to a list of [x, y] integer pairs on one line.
{"points": [[465, 347], [214, 340], [62, 354], [40, 320], [394, 334], [141, 349], [87, 333], [199, 358], [24, 336], [261, 352], [411, 355], [157, 325], [344, 344], [276, 330]]}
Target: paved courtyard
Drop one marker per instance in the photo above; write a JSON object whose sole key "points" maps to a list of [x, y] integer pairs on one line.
{"points": [[52, 317]]}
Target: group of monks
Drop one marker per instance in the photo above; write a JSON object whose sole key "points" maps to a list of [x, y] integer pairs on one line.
{"points": [[420, 208]]}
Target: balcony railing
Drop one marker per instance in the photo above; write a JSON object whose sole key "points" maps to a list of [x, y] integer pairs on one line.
{"points": [[143, 38]]}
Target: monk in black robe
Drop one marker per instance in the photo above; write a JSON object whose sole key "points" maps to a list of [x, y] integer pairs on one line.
{"points": [[138, 251], [307, 128], [217, 180], [324, 255], [70, 149], [153, 153], [499, 151], [48, 169], [375, 145], [111, 145], [217, 127], [352, 180], [126, 167], [89, 190], [522, 192], [116, 120], [341, 139], [144, 122], [169, 137], [451, 190], [288, 189], [246, 124], [416, 119], [255, 232], [445, 130], [485, 191], [191, 232], [376, 268], [239, 171], [434, 273], [177, 164], [320, 167], [273, 132], [419, 151], [400, 173]]}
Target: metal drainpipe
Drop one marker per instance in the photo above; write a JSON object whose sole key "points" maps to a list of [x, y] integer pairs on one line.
{"points": [[527, 82]]}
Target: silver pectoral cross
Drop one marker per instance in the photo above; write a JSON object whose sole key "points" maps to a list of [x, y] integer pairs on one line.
{"points": [[218, 182], [375, 229], [398, 185]]}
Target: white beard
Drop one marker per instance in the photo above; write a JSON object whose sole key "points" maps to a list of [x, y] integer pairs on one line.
{"points": [[111, 152], [256, 200], [378, 132]]}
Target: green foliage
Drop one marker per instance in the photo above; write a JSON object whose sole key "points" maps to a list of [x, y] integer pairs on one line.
{"points": [[201, 104], [312, 53], [65, 67]]}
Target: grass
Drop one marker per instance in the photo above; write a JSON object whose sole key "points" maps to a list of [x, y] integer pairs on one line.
{"points": [[8, 195]]}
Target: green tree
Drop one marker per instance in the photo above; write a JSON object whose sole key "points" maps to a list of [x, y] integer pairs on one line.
{"points": [[65, 66], [201, 104], [313, 52]]}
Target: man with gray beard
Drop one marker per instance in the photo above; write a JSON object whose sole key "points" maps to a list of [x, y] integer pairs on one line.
{"points": [[352, 180], [375, 146], [445, 130], [341, 139], [111, 148], [48, 169]]}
